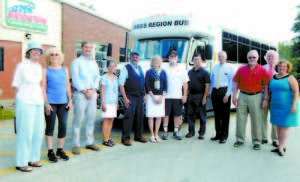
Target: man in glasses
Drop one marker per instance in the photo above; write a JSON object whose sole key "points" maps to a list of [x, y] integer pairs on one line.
{"points": [[252, 80]]}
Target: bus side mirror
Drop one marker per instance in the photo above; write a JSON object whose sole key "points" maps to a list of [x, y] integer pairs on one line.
{"points": [[208, 52], [109, 50]]}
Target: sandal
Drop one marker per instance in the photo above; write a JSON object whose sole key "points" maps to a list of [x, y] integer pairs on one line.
{"points": [[152, 139], [157, 139], [24, 169], [108, 144], [112, 142], [35, 164]]}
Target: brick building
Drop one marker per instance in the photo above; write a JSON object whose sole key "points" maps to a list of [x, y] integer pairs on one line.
{"points": [[53, 23]]}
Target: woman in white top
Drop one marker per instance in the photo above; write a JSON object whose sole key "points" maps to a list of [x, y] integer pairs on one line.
{"points": [[109, 97], [29, 109]]}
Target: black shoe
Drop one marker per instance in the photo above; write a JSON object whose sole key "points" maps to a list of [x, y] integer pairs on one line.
{"points": [[277, 150], [256, 147], [222, 141], [51, 156], [215, 138], [165, 136], [177, 136], [61, 154], [201, 137], [264, 141], [238, 144], [190, 135], [281, 154], [275, 144]]}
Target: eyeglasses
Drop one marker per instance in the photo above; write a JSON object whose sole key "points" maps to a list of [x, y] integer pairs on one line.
{"points": [[54, 54], [251, 57]]}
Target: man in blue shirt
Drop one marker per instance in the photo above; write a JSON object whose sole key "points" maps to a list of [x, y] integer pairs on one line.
{"points": [[220, 93], [85, 79], [132, 88]]}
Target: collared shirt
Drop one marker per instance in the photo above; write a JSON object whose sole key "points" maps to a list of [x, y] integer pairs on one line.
{"points": [[198, 80], [251, 80], [85, 74], [226, 77], [268, 68], [124, 73], [27, 79], [177, 77]]}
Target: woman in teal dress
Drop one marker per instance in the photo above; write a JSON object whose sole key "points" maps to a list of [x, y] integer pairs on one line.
{"points": [[284, 108]]}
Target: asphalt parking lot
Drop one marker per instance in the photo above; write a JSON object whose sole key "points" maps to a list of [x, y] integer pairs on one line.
{"points": [[171, 160]]}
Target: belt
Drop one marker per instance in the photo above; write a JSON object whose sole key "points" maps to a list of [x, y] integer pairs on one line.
{"points": [[251, 93], [219, 88], [195, 92]]}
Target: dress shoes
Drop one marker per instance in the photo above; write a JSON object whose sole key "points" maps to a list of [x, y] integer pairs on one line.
{"points": [[264, 141], [127, 143], [222, 141], [189, 135], [201, 137], [215, 138], [142, 140]]}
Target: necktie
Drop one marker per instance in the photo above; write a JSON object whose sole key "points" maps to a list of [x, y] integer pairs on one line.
{"points": [[218, 82]]}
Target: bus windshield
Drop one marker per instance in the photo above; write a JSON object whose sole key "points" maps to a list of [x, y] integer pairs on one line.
{"points": [[149, 48]]}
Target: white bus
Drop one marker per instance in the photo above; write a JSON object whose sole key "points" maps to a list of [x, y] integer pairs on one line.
{"points": [[156, 35]]}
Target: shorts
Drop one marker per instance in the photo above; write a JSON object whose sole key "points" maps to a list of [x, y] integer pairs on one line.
{"points": [[175, 105], [111, 111]]}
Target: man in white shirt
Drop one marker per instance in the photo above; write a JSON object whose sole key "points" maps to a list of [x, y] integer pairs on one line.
{"points": [[220, 93], [271, 57], [177, 78]]}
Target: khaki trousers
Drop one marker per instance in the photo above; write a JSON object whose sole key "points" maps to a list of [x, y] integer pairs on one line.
{"points": [[265, 121], [251, 103]]}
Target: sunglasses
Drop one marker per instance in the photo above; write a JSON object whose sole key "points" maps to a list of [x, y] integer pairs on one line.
{"points": [[251, 57], [54, 54]]}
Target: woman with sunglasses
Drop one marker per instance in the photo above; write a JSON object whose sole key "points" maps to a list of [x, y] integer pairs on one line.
{"points": [[29, 109], [57, 95]]}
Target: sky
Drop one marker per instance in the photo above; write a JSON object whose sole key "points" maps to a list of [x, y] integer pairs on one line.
{"points": [[269, 20]]}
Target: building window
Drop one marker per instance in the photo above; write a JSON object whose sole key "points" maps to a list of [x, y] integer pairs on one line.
{"points": [[99, 53], [1, 59]]}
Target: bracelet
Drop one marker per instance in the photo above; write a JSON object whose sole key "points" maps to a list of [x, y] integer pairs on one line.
{"points": [[45, 102]]}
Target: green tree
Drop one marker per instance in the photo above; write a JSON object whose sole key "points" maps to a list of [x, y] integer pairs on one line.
{"points": [[295, 49], [285, 52]]}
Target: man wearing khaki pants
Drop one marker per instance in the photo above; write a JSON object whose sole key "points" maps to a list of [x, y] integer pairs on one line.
{"points": [[252, 80]]}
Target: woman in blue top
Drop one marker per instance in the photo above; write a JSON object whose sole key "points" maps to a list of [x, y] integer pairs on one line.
{"points": [[109, 97], [284, 108], [156, 87], [57, 95]]}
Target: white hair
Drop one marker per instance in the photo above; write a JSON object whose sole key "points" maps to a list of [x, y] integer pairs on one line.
{"points": [[275, 53], [253, 51]]}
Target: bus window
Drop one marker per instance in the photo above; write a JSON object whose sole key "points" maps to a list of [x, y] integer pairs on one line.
{"points": [[149, 48], [230, 47], [243, 51]]}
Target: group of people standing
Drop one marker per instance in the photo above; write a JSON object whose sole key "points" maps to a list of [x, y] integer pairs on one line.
{"points": [[163, 89]]}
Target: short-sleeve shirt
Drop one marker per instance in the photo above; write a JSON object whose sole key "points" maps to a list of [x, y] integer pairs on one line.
{"points": [[27, 79], [251, 80], [177, 77], [198, 80], [110, 89]]}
